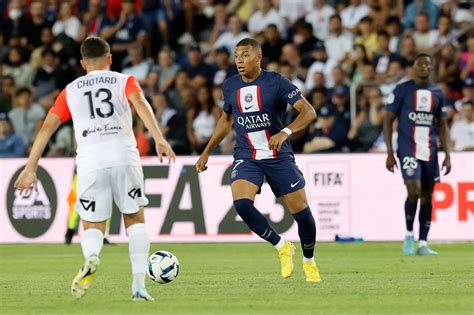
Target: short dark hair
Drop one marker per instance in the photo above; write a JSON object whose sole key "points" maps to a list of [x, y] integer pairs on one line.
{"points": [[392, 19], [94, 47], [367, 19], [383, 33], [24, 90], [250, 42], [423, 55], [335, 16]]}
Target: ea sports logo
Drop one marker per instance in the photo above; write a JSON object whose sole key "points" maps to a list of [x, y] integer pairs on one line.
{"points": [[32, 215], [248, 98]]}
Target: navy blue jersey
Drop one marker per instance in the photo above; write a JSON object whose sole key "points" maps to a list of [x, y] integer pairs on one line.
{"points": [[418, 110], [259, 109]]}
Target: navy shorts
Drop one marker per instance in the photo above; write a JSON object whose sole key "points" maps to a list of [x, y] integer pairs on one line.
{"points": [[283, 175], [426, 171]]}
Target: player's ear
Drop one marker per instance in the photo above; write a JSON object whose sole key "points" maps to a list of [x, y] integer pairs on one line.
{"points": [[109, 59], [84, 65]]}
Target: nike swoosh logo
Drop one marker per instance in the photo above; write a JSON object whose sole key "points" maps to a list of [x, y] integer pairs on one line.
{"points": [[294, 184], [247, 108]]}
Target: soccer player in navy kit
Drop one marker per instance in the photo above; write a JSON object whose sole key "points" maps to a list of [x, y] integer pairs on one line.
{"points": [[418, 105], [255, 105]]}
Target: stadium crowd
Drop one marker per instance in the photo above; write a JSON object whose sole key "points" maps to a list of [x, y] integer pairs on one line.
{"points": [[345, 56]]}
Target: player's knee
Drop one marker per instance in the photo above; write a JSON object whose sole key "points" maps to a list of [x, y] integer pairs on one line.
{"points": [[414, 194], [243, 206], [424, 199]]}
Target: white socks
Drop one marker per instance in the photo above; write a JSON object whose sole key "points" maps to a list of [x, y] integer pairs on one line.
{"points": [[91, 242], [409, 233], [422, 243], [280, 244], [138, 248], [308, 259]]}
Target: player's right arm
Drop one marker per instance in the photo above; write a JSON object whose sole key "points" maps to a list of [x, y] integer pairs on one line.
{"points": [[224, 125], [393, 108], [145, 113], [58, 114]]}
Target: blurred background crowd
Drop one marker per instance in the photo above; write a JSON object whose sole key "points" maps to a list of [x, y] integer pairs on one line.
{"points": [[346, 56]]}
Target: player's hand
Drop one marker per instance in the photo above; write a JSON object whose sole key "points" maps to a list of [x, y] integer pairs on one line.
{"points": [[447, 165], [201, 163], [391, 163], [164, 149], [25, 181], [276, 141]]}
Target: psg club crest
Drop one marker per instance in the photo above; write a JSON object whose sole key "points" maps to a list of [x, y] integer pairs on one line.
{"points": [[248, 98], [424, 99]]}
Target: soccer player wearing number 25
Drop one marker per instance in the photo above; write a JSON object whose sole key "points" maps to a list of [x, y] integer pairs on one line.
{"points": [[418, 105], [255, 103], [108, 164]]}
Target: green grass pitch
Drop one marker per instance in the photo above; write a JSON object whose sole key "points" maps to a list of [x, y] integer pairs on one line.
{"points": [[365, 278]]}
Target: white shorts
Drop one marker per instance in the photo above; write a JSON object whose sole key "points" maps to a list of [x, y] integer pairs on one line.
{"points": [[96, 190]]}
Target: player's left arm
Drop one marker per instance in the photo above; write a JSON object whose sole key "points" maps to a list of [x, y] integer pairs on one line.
{"points": [[306, 114], [444, 141], [444, 134], [27, 177]]}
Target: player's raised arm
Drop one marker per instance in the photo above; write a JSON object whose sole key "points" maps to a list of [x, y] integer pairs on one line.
{"points": [[145, 113], [224, 124], [27, 177], [306, 115]]}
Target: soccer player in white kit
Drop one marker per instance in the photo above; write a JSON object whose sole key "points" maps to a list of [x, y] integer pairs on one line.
{"points": [[108, 163]]}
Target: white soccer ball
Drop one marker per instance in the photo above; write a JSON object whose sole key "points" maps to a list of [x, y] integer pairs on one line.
{"points": [[163, 267]]}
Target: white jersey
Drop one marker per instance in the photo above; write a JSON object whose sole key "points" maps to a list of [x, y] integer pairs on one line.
{"points": [[99, 107]]}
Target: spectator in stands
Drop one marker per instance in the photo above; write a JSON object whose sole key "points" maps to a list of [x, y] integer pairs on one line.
{"points": [[223, 68], [354, 64], [15, 24], [11, 144], [36, 23], [368, 124], [408, 50], [424, 37], [166, 70], [67, 23], [172, 124], [467, 93], [319, 98], [199, 72], [47, 42], [466, 63], [125, 32], [62, 144], [328, 137], [232, 35], [447, 64], [7, 93], [380, 10], [462, 131], [338, 43], [445, 34], [306, 40], [272, 44], [368, 36], [353, 14], [16, 67], [338, 82], [46, 80], [176, 92], [319, 17], [135, 64], [202, 119], [417, 6], [394, 29], [264, 16], [93, 20], [343, 115], [383, 57], [320, 64], [293, 10], [290, 54], [26, 115]]}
